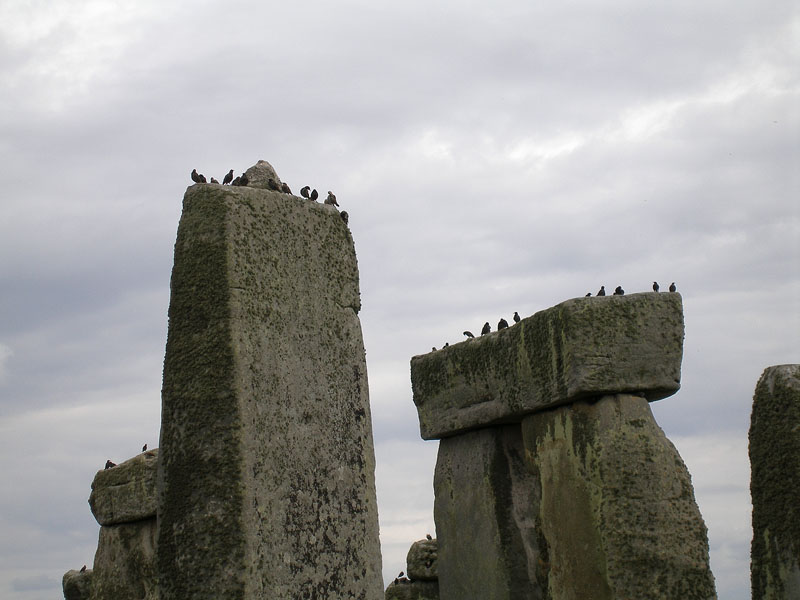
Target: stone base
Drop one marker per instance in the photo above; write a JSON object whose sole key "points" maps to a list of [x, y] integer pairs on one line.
{"points": [[124, 564]]}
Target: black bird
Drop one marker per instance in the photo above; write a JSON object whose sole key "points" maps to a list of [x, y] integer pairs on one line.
{"points": [[401, 574], [433, 349], [655, 286], [672, 287], [602, 291], [516, 317], [588, 294], [331, 199], [244, 180], [236, 181], [202, 178], [446, 345], [345, 216], [285, 188], [469, 334], [304, 192], [428, 536], [314, 195], [83, 569], [228, 178], [144, 448], [110, 464], [273, 185], [214, 180], [618, 291], [502, 324], [486, 328], [195, 176]]}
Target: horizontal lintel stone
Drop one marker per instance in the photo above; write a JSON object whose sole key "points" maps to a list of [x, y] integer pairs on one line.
{"points": [[578, 349]]}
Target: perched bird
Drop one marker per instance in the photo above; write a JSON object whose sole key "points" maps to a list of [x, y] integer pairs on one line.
{"points": [[144, 448], [469, 334], [618, 291], [486, 328], [588, 294], [502, 324], [285, 188], [433, 349], [401, 574], [214, 180], [110, 464], [655, 286], [236, 181], [304, 192], [672, 287], [314, 195], [83, 569], [195, 176], [202, 178], [345, 216], [428, 536], [228, 178], [602, 291], [244, 180], [273, 185], [331, 199], [446, 345], [516, 317]]}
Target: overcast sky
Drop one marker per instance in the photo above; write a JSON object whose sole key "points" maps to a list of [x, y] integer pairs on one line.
{"points": [[493, 157]]}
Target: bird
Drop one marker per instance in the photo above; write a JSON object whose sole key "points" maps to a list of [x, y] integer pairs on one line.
{"points": [[285, 188], [228, 178], [244, 180], [83, 569], [602, 291], [202, 178], [345, 216], [428, 536], [110, 464], [314, 195], [469, 334], [273, 185], [214, 180], [672, 287], [195, 176], [486, 328], [446, 345], [401, 574], [236, 181], [618, 291], [516, 317], [304, 192], [502, 324], [144, 448], [655, 286], [433, 349], [331, 199], [588, 294]]}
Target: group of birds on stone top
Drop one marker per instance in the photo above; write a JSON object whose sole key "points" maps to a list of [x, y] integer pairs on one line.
{"points": [[618, 291], [110, 464]]}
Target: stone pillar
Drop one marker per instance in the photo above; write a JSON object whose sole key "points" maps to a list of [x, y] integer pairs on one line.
{"points": [[266, 474], [775, 484]]}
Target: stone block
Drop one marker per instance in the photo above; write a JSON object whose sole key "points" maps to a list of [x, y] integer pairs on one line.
{"points": [[266, 462], [617, 509], [422, 559], [485, 506], [775, 484], [405, 589], [125, 562], [581, 348], [127, 492], [77, 585]]}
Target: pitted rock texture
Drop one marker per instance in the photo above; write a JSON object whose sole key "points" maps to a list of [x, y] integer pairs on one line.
{"points": [[77, 585], [775, 484], [421, 560], [125, 562], [581, 348], [485, 508], [259, 175], [617, 509], [405, 589], [266, 474], [127, 492]]}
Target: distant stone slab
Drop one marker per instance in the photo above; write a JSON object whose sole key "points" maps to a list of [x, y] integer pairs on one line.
{"points": [[77, 585], [421, 561], [124, 564], [581, 348], [775, 484], [126, 493]]}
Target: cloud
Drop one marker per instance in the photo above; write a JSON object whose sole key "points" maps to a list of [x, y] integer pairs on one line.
{"points": [[5, 354]]}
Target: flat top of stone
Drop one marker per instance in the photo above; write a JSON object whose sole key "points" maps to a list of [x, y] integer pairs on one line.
{"points": [[127, 471]]}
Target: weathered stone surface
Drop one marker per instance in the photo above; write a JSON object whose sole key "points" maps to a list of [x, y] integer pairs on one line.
{"points": [[260, 173], [617, 506], [412, 590], [421, 560], [584, 347], [124, 564], [775, 484], [485, 506], [77, 585], [127, 492], [266, 463]]}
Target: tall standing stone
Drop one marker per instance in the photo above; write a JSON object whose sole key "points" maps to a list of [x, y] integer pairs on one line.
{"points": [[266, 463], [775, 484]]}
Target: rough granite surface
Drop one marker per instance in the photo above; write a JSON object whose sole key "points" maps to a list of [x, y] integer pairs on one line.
{"points": [[127, 492], [125, 562], [412, 590], [617, 506], [422, 560], [485, 507], [775, 484], [581, 348], [266, 464]]}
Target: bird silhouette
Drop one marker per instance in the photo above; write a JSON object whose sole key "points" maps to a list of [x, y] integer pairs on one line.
{"points": [[345, 216], [672, 287], [285, 188], [588, 294], [655, 286], [602, 291], [195, 176], [304, 192], [110, 464], [144, 448], [314, 195], [486, 328], [331, 199], [244, 180], [228, 178], [469, 334], [236, 181], [618, 291], [516, 317], [446, 345], [502, 324], [428, 536], [214, 180], [83, 569], [433, 349]]}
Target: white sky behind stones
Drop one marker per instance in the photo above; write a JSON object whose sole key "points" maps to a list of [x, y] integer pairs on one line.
{"points": [[492, 157]]}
